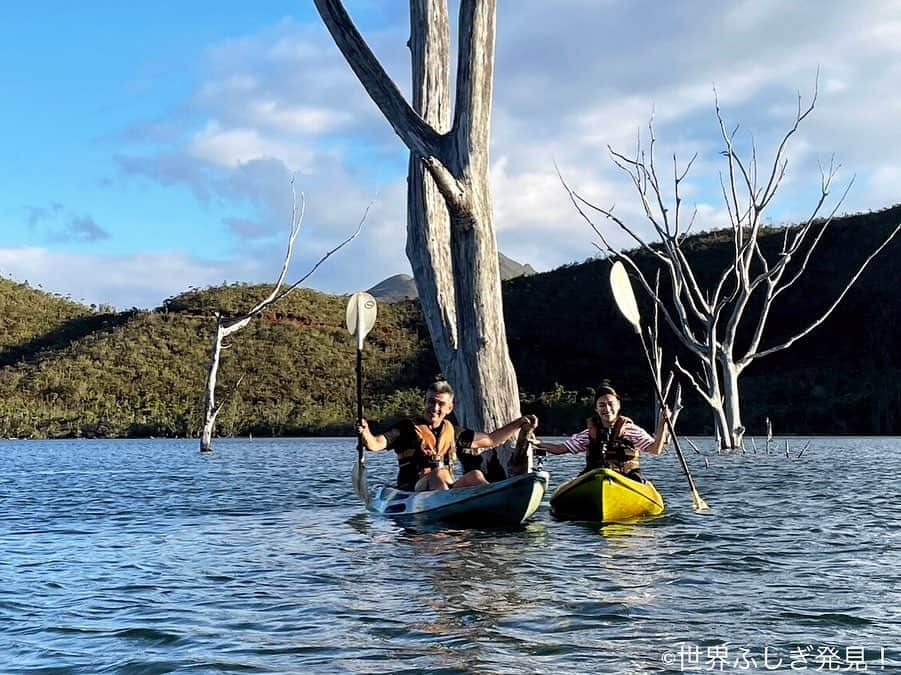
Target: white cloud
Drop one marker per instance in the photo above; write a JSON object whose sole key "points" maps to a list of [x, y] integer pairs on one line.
{"points": [[297, 119], [146, 279], [141, 280], [232, 147], [577, 80], [227, 147], [237, 84], [882, 187], [571, 78]]}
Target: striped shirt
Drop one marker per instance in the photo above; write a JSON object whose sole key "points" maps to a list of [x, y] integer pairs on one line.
{"points": [[638, 437]]}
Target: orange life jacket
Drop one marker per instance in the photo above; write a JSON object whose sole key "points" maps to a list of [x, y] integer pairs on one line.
{"points": [[432, 453]]}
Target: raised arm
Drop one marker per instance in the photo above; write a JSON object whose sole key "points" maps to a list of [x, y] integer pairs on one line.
{"points": [[574, 445], [661, 436], [371, 442], [554, 448], [481, 440]]}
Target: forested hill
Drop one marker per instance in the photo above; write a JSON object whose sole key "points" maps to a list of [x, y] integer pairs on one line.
{"points": [[66, 370], [844, 377], [71, 370]]}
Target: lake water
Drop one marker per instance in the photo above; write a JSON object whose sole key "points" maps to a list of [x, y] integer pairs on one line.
{"points": [[147, 557]]}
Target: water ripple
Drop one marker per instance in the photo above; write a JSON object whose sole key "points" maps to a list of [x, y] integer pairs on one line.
{"points": [[148, 557]]}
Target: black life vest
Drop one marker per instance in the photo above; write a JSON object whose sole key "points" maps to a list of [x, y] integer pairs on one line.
{"points": [[432, 452], [608, 449]]}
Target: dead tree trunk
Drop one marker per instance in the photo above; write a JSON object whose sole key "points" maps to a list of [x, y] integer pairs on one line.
{"points": [[450, 235], [227, 327], [707, 321], [210, 409]]}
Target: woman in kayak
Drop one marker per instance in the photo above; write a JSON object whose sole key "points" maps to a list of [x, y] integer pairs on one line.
{"points": [[427, 446], [612, 441]]}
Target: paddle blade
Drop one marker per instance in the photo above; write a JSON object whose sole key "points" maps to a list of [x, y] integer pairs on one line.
{"points": [[358, 476], [623, 294], [361, 311], [697, 503]]}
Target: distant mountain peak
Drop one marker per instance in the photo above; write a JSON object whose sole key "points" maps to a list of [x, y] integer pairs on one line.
{"points": [[403, 287], [394, 288], [510, 269]]}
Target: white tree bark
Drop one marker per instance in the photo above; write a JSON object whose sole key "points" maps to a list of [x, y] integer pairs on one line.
{"points": [[226, 327], [450, 235], [707, 321], [210, 409]]}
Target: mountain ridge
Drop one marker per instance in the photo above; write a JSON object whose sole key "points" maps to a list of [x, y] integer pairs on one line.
{"points": [[400, 287], [68, 370]]}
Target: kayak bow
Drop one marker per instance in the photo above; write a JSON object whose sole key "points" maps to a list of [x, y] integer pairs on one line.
{"points": [[505, 503], [603, 495]]}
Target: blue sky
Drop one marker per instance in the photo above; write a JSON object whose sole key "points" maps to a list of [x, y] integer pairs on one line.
{"points": [[149, 146]]}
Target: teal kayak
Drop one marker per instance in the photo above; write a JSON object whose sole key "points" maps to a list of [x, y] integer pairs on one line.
{"points": [[502, 504]]}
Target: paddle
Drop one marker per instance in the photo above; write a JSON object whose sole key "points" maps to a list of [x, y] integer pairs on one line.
{"points": [[361, 311], [625, 300]]}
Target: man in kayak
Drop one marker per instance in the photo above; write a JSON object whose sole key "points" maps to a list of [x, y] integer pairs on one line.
{"points": [[612, 441], [427, 446]]}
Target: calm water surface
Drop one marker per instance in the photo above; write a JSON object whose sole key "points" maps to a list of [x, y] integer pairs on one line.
{"points": [[148, 557]]}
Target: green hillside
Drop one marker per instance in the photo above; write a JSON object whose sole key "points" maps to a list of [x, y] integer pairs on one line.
{"points": [[142, 373], [33, 319], [70, 370]]}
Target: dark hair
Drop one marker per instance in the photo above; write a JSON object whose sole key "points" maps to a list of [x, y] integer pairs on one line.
{"points": [[604, 388], [441, 387]]}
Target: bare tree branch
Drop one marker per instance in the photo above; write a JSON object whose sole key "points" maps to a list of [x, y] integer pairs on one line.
{"points": [[831, 308], [413, 131], [708, 322], [224, 328], [702, 391], [420, 137], [474, 77]]}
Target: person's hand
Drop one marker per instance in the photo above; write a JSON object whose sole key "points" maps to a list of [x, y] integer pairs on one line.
{"points": [[529, 422], [362, 427], [663, 427]]}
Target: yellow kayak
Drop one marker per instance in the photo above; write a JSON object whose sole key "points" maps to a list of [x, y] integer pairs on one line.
{"points": [[603, 495]]}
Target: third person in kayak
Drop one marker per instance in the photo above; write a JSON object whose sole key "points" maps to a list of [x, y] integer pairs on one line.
{"points": [[612, 441], [427, 446]]}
